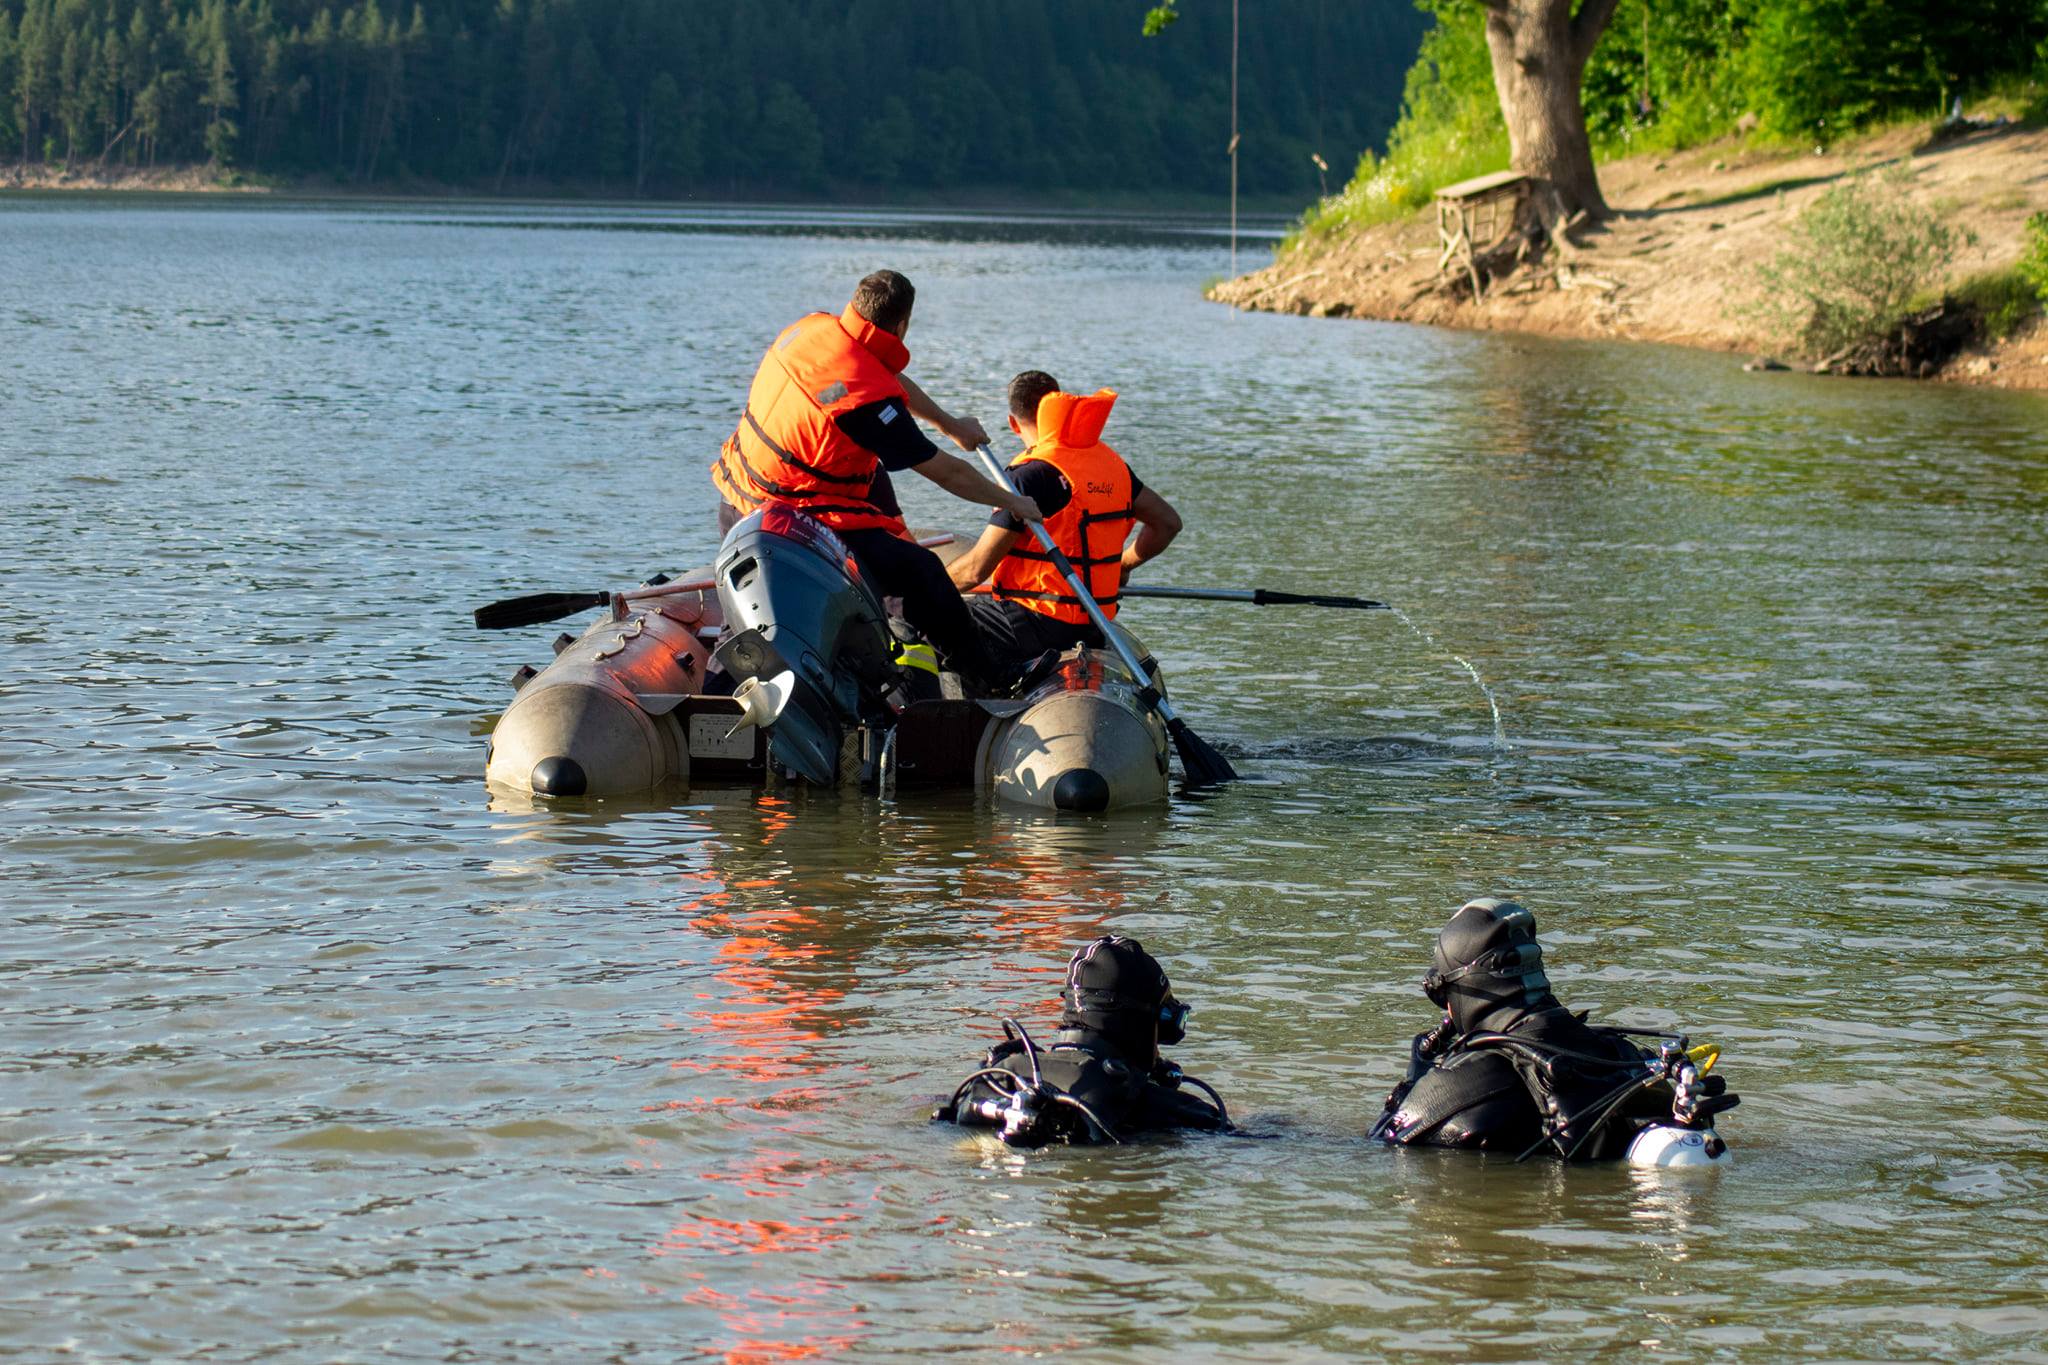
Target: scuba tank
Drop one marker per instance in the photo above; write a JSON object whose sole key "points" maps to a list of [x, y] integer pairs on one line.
{"points": [[807, 640], [1661, 1145], [1689, 1139]]}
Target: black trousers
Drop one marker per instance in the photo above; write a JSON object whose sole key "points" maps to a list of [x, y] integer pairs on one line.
{"points": [[1014, 635], [897, 568]]}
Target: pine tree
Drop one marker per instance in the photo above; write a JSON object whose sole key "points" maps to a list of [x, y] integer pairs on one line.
{"points": [[216, 59]]}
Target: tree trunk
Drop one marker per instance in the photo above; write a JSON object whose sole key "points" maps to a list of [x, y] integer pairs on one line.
{"points": [[1539, 50], [640, 158]]}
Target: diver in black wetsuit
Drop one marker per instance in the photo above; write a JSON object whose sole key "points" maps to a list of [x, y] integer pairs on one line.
{"points": [[1102, 1079], [1511, 1070]]}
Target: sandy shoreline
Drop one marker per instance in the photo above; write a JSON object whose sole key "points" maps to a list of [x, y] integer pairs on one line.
{"points": [[1690, 230], [1267, 212]]}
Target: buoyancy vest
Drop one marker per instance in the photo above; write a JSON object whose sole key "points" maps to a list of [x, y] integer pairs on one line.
{"points": [[1548, 1083], [1124, 1098], [788, 447], [1090, 530]]}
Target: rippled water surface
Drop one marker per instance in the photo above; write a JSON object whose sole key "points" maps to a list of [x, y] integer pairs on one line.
{"points": [[308, 1049]]}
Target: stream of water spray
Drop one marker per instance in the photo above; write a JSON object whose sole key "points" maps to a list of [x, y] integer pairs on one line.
{"points": [[1500, 737]]}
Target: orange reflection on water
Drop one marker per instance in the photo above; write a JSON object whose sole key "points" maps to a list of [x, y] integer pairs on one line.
{"points": [[755, 1236], [774, 1319], [776, 982], [761, 1321]]}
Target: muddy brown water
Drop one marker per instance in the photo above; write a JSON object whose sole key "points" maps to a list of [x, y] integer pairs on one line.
{"points": [[310, 1049]]}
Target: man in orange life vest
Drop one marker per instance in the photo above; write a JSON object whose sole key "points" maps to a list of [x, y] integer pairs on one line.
{"points": [[829, 415], [1090, 499]]}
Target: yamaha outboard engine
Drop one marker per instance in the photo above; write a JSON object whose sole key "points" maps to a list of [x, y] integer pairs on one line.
{"points": [[806, 639]]}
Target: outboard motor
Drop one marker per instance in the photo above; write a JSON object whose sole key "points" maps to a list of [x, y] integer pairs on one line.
{"points": [[806, 639]]}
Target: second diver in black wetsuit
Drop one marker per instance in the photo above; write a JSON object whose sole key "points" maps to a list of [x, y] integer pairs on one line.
{"points": [[1102, 1079], [1509, 1069]]}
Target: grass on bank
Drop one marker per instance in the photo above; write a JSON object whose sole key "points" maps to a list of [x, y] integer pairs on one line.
{"points": [[2003, 299]]}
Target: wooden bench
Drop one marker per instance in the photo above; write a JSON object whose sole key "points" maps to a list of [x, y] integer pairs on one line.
{"points": [[1474, 214]]}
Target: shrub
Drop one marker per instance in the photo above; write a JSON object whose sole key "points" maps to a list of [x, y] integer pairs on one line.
{"points": [[2033, 262], [1856, 260], [2003, 299]]}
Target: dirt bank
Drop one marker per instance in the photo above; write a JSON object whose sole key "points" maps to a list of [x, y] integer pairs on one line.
{"points": [[167, 179], [1691, 228]]}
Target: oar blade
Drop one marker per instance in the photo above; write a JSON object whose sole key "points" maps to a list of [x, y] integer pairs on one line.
{"points": [[1268, 597], [1200, 765], [535, 608]]}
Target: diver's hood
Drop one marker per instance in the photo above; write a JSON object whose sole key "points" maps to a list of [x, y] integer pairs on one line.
{"points": [[1488, 968], [1119, 991]]}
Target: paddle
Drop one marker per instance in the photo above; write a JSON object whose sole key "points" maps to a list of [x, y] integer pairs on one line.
{"points": [[1259, 597], [538, 607], [534, 608], [1200, 765]]}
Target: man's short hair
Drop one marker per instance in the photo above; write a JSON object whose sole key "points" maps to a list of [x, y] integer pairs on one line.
{"points": [[1027, 390], [885, 298]]}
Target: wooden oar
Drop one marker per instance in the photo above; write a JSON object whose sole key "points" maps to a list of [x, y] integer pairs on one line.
{"points": [[1200, 765]]}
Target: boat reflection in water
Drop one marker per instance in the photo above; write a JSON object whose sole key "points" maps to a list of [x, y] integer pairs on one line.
{"points": [[794, 903]]}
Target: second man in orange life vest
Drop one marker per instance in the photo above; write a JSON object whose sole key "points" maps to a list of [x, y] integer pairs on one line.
{"points": [[829, 414], [1091, 501]]}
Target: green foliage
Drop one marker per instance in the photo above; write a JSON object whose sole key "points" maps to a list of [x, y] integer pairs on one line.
{"points": [[1822, 68], [705, 96], [1450, 129], [2002, 298], [1856, 260], [1662, 77], [2033, 262]]}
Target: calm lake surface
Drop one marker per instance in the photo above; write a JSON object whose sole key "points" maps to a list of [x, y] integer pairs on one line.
{"points": [[309, 1049]]}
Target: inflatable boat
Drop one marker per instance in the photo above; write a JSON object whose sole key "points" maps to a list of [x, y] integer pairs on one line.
{"points": [[781, 664]]}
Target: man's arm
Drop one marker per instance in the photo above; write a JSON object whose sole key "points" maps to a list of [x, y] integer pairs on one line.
{"points": [[965, 432], [972, 569], [957, 477], [1158, 524]]}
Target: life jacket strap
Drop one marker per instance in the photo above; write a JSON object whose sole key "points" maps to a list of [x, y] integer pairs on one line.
{"points": [[860, 480]]}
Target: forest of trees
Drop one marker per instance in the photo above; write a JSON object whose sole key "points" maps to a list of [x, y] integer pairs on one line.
{"points": [[664, 97]]}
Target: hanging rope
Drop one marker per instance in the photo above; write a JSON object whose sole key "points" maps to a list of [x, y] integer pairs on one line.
{"points": [[1233, 139]]}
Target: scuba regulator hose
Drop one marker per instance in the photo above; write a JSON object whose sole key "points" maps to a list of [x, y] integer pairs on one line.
{"points": [[1019, 1089], [1222, 1110], [1672, 1063]]}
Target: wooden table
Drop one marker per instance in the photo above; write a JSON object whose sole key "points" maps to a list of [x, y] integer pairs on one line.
{"points": [[1473, 214]]}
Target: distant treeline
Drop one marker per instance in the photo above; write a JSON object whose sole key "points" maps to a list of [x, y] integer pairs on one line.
{"points": [[711, 96]]}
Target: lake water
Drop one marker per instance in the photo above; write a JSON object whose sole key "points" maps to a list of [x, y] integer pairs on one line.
{"points": [[310, 1050]]}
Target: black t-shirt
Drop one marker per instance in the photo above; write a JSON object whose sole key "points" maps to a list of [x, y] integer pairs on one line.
{"points": [[887, 428], [1046, 486]]}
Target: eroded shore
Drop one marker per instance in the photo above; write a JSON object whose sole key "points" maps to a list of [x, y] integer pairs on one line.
{"points": [[1680, 256]]}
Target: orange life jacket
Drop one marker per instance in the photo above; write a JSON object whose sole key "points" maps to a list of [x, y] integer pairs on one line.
{"points": [[788, 448], [1090, 530]]}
